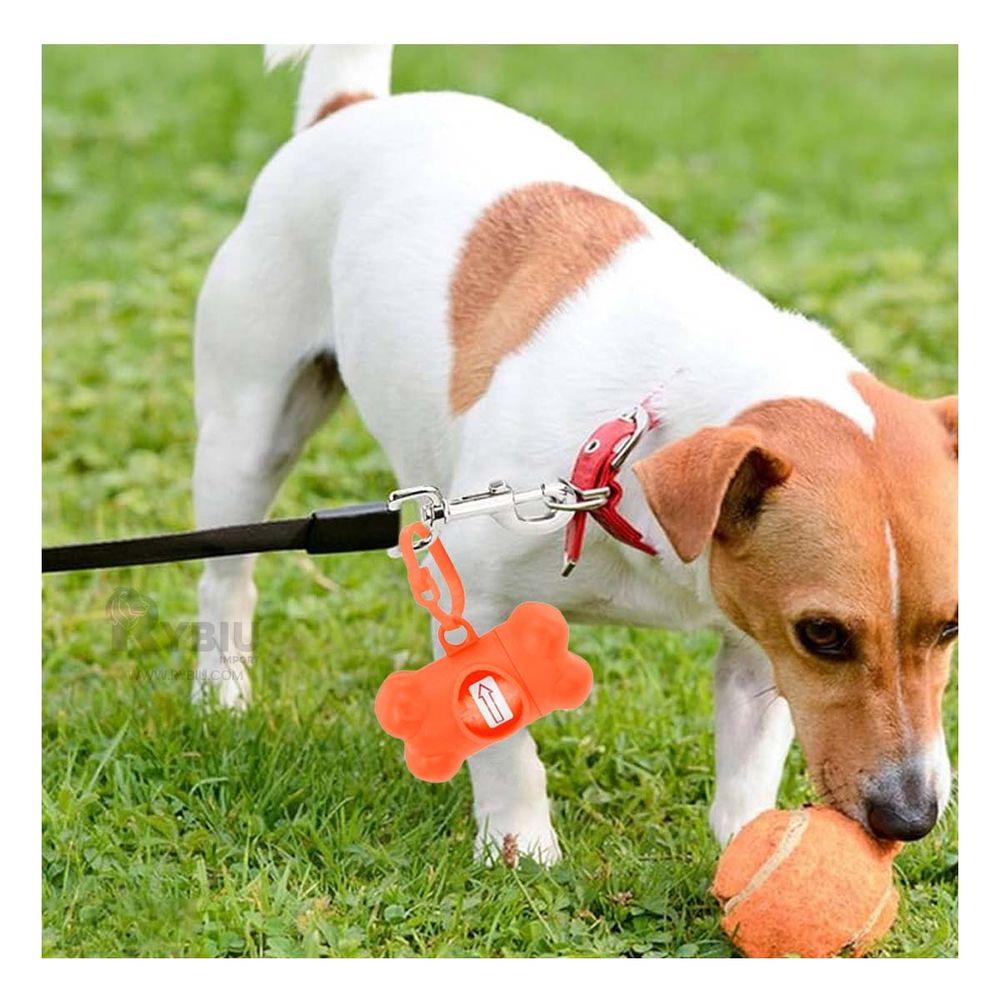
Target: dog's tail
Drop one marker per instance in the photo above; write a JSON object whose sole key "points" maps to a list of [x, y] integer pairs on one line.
{"points": [[334, 76]]}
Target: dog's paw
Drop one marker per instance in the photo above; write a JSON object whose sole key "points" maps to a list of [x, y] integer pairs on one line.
{"points": [[727, 818], [505, 842], [220, 685]]}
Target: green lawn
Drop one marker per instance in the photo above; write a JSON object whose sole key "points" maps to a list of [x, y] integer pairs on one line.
{"points": [[824, 176]]}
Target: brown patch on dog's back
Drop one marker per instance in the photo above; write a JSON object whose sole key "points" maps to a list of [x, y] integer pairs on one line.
{"points": [[342, 100], [527, 252]]}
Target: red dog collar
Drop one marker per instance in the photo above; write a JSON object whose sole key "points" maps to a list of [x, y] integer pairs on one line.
{"points": [[596, 467]]}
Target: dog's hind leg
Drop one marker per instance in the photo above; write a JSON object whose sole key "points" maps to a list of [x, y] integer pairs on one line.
{"points": [[246, 447], [263, 386]]}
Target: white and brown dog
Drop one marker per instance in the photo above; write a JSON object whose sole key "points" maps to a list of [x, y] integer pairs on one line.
{"points": [[489, 295]]}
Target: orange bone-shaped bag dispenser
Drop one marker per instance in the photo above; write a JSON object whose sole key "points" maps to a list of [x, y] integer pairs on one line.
{"points": [[485, 687]]}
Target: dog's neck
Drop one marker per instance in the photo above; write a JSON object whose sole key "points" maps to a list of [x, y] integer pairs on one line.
{"points": [[709, 348]]}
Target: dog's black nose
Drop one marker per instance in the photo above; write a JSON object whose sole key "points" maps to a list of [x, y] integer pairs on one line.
{"points": [[899, 819]]}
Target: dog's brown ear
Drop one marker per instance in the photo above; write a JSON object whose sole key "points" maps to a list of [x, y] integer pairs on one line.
{"points": [[710, 482], [946, 409]]}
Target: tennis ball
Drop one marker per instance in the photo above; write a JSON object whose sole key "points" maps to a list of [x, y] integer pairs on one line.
{"points": [[809, 882]]}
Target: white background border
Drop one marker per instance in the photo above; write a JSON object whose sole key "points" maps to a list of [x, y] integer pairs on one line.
{"points": [[622, 21]]}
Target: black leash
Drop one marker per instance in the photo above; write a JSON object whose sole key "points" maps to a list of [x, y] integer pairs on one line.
{"points": [[361, 528]]}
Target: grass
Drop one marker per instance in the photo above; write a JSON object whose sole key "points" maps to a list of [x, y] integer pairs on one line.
{"points": [[824, 176]]}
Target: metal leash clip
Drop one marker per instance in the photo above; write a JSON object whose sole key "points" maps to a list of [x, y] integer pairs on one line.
{"points": [[544, 509], [578, 499], [553, 504]]}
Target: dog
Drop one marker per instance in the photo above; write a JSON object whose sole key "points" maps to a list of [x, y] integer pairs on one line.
{"points": [[488, 296]]}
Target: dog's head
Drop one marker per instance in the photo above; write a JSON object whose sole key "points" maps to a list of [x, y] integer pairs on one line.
{"points": [[837, 551]]}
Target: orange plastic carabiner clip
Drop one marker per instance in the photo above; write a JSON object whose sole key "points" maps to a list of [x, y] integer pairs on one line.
{"points": [[426, 591]]}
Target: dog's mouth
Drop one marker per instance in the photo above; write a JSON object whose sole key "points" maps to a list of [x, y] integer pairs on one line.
{"points": [[900, 802], [834, 791]]}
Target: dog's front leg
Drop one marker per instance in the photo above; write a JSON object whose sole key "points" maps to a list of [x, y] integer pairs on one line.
{"points": [[508, 779], [510, 800], [753, 730]]}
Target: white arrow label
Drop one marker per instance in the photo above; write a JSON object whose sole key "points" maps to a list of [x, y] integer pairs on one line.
{"points": [[490, 701]]}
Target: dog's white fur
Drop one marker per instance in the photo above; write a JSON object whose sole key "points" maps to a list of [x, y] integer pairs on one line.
{"points": [[347, 247]]}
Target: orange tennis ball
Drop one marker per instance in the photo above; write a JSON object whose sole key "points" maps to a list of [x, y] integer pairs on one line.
{"points": [[809, 882]]}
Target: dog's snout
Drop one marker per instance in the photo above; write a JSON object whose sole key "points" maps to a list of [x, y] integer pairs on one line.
{"points": [[903, 806], [887, 822]]}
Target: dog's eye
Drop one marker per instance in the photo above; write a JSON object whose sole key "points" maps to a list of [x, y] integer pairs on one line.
{"points": [[949, 630], [825, 637]]}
